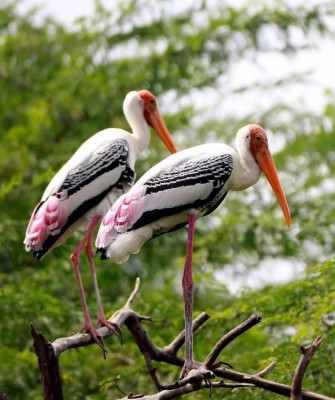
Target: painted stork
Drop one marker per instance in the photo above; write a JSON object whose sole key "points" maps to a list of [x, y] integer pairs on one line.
{"points": [[83, 190], [185, 186]]}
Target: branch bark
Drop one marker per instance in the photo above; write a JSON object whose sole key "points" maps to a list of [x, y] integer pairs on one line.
{"points": [[306, 355], [49, 367], [229, 337]]}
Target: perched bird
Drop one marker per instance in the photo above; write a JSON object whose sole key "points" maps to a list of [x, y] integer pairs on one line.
{"points": [[83, 190], [180, 189]]}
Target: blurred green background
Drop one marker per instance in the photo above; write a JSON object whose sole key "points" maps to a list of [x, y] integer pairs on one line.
{"points": [[208, 64]]}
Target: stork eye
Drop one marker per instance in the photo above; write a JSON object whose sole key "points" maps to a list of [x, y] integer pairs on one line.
{"points": [[258, 138], [247, 136]]}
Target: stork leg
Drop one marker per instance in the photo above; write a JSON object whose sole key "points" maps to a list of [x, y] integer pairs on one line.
{"points": [[75, 265], [188, 284], [90, 255]]}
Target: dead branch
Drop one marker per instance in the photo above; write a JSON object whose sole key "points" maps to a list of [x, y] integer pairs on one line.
{"points": [[306, 355], [190, 387], [229, 337], [48, 363], [208, 374], [266, 370]]}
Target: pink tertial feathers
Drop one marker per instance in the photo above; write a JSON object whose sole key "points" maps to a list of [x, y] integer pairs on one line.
{"points": [[120, 217], [47, 219]]}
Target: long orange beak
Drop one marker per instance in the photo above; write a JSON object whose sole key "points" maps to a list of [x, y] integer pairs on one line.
{"points": [[267, 165], [159, 126]]}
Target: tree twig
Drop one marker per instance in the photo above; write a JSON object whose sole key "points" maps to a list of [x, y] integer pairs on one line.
{"points": [[190, 387], [306, 355], [229, 337], [134, 293], [271, 386], [266, 370]]}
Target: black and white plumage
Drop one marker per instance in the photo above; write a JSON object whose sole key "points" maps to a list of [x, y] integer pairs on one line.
{"points": [[180, 189], [87, 190], [197, 184], [101, 170], [197, 179]]}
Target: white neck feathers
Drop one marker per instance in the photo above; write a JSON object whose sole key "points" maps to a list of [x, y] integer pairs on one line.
{"points": [[133, 110], [247, 171]]}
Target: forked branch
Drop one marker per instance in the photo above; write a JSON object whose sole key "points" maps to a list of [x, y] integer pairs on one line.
{"points": [[306, 355]]}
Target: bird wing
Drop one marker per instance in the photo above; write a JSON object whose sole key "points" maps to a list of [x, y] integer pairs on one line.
{"points": [[195, 183], [102, 168], [84, 186]]}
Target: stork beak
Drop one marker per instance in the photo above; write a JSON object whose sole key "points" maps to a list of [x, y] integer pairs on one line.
{"points": [[267, 165], [159, 126]]}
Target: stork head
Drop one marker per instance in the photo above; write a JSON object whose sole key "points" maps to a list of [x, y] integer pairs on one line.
{"points": [[152, 116], [256, 143]]}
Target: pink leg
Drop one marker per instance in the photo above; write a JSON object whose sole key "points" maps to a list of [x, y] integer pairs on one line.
{"points": [[75, 264], [90, 255], [188, 295]]}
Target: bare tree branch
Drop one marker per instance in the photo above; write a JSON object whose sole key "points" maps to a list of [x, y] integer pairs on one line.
{"points": [[48, 363], [206, 375], [192, 385], [266, 370], [229, 337], [134, 293], [306, 355], [274, 387]]}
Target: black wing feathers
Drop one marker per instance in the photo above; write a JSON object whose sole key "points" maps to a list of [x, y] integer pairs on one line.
{"points": [[214, 169], [99, 163], [113, 156]]}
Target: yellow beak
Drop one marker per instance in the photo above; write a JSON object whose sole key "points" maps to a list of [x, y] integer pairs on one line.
{"points": [[159, 126], [267, 165]]}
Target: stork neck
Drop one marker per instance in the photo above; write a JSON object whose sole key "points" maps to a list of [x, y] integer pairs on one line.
{"points": [[140, 129], [142, 136], [247, 170]]}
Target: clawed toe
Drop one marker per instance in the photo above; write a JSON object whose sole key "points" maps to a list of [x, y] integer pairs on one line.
{"points": [[201, 373], [98, 339], [112, 327], [185, 371], [192, 372], [219, 363]]}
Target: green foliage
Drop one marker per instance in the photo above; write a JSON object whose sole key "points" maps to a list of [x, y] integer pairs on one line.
{"points": [[61, 85]]}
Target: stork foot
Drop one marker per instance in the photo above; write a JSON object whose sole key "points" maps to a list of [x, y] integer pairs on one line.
{"points": [[97, 338], [112, 327], [220, 363], [187, 368], [201, 374]]}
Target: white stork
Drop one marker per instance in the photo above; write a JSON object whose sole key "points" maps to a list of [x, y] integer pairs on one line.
{"points": [[178, 190], [83, 190]]}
